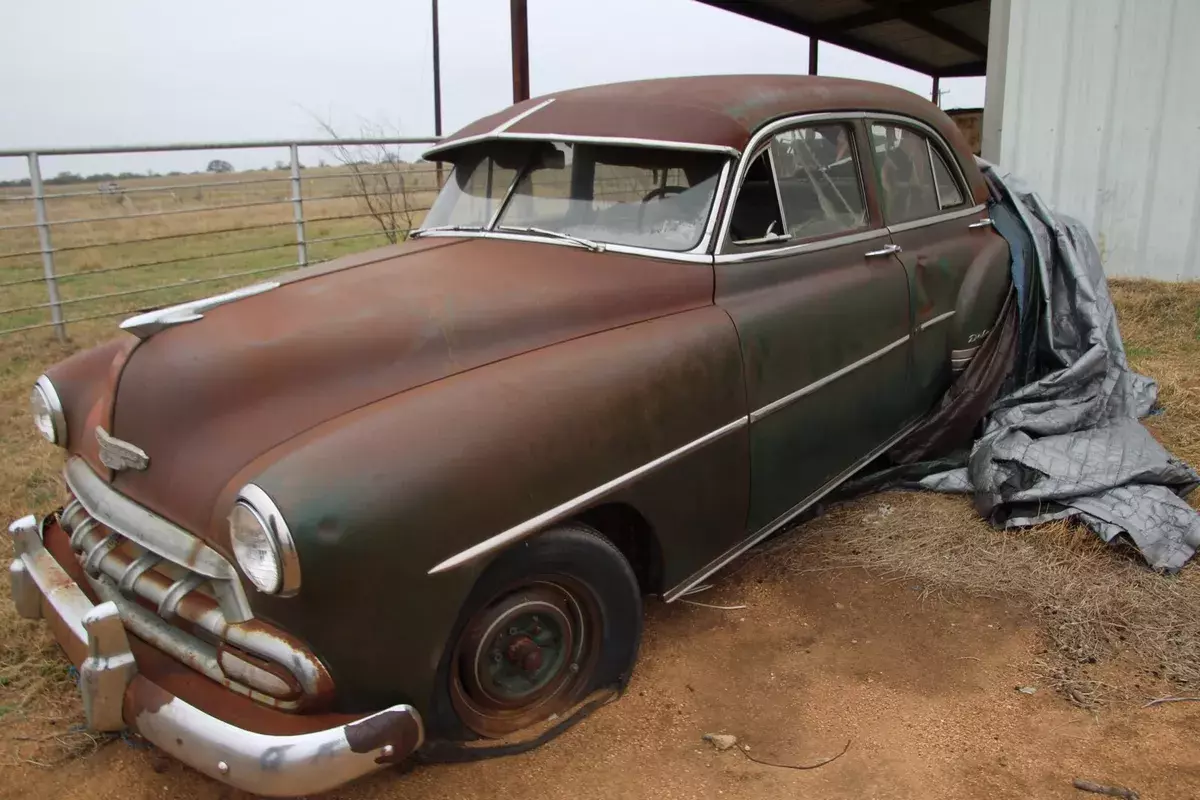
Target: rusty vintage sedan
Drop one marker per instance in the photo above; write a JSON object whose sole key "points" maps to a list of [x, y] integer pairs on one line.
{"points": [[409, 501]]}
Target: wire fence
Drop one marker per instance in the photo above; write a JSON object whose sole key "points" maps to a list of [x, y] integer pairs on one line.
{"points": [[119, 247]]}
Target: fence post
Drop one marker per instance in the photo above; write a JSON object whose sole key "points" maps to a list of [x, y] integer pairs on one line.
{"points": [[298, 207], [43, 229]]}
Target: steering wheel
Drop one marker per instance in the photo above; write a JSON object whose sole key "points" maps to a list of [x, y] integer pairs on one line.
{"points": [[663, 191]]}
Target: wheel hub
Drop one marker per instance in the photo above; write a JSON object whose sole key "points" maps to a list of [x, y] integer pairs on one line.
{"points": [[521, 657]]}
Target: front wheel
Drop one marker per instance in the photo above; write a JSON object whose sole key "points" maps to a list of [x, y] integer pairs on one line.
{"points": [[549, 622]]}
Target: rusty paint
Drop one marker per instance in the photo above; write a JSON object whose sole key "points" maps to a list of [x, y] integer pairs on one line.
{"points": [[319, 348], [393, 728]]}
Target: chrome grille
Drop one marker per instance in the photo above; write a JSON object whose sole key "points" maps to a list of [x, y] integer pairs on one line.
{"points": [[183, 597]]}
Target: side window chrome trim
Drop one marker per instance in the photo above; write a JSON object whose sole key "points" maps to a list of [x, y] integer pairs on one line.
{"points": [[936, 219], [806, 247], [752, 148], [933, 136], [937, 190]]}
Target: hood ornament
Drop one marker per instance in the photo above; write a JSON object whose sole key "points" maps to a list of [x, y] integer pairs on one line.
{"points": [[146, 325], [120, 455]]}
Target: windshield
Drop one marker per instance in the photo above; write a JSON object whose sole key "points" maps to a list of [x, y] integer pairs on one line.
{"points": [[636, 196]]}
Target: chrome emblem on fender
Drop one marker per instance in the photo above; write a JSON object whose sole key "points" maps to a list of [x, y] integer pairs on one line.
{"points": [[118, 455]]}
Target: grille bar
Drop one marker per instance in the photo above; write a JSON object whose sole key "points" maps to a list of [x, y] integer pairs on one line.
{"points": [[124, 564]]}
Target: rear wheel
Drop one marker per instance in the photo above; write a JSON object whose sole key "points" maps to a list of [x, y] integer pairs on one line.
{"points": [[550, 621]]}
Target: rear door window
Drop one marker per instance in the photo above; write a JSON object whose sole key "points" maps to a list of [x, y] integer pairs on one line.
{"points": [[902, 162], [949, 193]]}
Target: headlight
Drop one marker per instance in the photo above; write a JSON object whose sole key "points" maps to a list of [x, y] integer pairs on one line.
{"points": [[48, 414], [262, 543]]}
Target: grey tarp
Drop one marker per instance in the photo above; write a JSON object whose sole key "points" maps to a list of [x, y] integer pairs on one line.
{"points": [[1069, 443]]}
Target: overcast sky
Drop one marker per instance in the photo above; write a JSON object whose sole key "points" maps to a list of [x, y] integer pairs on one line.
{"points": [[80, 72]]}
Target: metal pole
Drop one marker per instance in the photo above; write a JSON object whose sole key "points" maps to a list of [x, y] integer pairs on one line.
{"points": [[43, 229], [937, 91], [813, 43], [298, 207], [437, 85], [520, 50]]}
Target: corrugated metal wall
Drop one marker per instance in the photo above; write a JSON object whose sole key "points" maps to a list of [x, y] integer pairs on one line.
{"points": [[1102, 117]]}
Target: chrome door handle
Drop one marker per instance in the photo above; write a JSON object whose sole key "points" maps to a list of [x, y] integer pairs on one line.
{"points": [[983, 223], [886, 250]]}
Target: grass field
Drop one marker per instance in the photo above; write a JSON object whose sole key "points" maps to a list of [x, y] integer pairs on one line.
{"points": [[1105, 616], [192, 247]]}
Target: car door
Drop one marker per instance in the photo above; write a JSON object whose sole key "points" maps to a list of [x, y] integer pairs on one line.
{"points": [[804, 269], [935, 225]]}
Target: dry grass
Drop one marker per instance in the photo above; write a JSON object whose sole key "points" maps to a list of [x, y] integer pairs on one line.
{"points": [[1113, 629]]}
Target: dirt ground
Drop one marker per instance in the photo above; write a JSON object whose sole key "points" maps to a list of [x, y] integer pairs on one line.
{"points": [[924, 689]]}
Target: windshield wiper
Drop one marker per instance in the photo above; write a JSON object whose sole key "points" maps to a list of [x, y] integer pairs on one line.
{"points": [[422, 231], [595, 247]]}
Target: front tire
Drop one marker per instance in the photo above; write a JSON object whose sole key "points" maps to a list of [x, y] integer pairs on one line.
{"points": [[550, 621]]}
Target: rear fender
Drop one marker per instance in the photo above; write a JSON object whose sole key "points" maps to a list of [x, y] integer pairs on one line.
{"points": [[980, 299]]}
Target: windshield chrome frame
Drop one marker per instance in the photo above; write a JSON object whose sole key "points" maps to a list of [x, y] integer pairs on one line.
{"points": [[700, 253]]}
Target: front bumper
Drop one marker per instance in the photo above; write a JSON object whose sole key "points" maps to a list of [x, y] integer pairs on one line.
{"points": [[116, 695]]}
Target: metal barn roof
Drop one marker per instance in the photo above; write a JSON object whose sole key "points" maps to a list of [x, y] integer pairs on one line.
{"points": [[942, 38]]}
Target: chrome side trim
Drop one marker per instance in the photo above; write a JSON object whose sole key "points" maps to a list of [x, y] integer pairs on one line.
{"points": [[937, 219], [146, 325], [797, 249], [141, 525], [289, 560], [937, 190], [57, 414], [770, 151], [689, 257], [929, 323], [563, 510], [620, 141], [725, 558], [786, 400], [966, 352]]}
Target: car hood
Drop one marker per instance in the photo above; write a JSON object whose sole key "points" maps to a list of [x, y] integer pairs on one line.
{"points": [[205, 398]]}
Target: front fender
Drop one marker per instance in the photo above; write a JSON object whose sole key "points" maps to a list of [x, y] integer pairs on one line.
{"points": [[377, 497]]}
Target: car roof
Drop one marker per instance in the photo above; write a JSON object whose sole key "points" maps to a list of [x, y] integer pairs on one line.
{"points": [[716, 112]]}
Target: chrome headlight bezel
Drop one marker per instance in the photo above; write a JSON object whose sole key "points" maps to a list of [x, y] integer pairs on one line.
{"points": [[55, 420], [275, 535]]}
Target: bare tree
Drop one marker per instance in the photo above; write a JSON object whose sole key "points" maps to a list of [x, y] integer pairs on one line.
{"points": [[379, 180]]}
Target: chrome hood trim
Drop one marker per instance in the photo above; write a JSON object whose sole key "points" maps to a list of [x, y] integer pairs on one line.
{"points": [[146, 325], [143, 526]]}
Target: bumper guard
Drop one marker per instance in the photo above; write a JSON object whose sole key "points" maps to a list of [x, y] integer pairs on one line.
{"points": [[116, 696]]}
